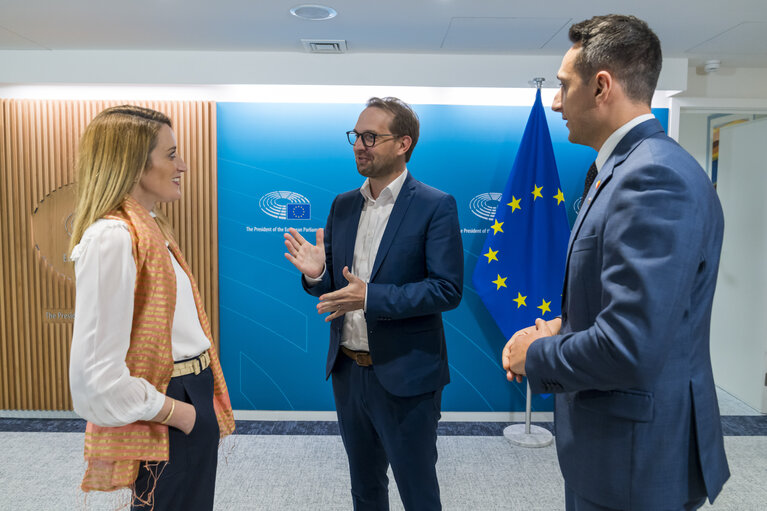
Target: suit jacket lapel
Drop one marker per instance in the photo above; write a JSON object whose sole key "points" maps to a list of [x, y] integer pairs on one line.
{"points": [[603, 176], [619, 155], [395, 219], [624, 148], [352, 220]]}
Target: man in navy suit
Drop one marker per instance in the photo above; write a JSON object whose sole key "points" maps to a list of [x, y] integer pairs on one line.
{"points": [[388, 263], [636, 416]]}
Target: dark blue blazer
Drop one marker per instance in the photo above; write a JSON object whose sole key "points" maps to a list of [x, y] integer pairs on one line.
{"points": [[637, 419], [417, 274]]}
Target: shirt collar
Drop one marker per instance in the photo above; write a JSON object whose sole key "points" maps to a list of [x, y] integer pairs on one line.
{"points": [[613, 140], [393, 188]]}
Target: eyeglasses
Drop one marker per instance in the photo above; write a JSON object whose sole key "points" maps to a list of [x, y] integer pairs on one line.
{"points": [[368, 138]]}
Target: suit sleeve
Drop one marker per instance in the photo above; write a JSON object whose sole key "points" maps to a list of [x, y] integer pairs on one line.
{"points": [[652, 249], [441, 288], [326, 284]]}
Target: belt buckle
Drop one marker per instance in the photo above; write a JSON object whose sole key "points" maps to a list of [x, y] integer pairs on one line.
{"points": [[359, 358]]}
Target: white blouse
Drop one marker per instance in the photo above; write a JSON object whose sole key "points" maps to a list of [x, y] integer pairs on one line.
{"points": [[103, 391]]}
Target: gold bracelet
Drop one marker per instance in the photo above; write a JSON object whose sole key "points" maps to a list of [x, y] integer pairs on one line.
{"points": [[170, 414]]}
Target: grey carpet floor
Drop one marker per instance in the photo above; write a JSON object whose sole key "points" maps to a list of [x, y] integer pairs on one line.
{"points": [[42, 472]]}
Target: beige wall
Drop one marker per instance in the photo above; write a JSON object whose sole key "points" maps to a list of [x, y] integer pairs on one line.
{"points": [[736, 83]]}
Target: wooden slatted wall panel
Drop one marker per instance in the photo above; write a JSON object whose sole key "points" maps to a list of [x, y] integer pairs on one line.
{"points": [[37, 153]]}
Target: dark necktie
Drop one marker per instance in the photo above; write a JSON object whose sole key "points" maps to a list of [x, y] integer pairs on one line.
{"points": [[590, 176]]}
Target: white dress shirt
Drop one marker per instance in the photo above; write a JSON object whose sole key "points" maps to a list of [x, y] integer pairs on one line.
{"points": [[103, 391], [373, 220], [613, 140]]}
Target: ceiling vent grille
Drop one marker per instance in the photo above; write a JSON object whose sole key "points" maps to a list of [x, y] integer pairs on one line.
{"points": [[324, 45]]}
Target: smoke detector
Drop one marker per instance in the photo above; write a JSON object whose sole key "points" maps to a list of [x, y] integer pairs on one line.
{"points": [[313, 12], [324, 45]]}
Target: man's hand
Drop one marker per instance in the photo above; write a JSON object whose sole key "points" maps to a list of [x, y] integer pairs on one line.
{"points": [[515, 352], [506, 354], [554, 325], [308, 258], [346, 299]]}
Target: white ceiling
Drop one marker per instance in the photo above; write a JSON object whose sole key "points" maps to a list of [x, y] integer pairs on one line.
{"points": [[734, 31]]}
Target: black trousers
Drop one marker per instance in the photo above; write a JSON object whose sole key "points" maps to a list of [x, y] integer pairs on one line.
{"points": [[187, 481]]}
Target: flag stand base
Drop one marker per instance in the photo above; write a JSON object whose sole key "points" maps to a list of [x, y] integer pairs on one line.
{"points": [[517, 434]]}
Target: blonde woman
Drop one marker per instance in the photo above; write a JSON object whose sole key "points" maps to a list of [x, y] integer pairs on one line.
{"points": [[143, 371]]}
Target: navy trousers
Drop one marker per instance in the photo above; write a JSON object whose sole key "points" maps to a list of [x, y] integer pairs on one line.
{"points": [[187, 481], [378, 429], [574, 502]]}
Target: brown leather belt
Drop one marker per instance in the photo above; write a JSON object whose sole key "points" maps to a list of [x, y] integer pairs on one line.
{"points": [[195, 365], [362, 358]]}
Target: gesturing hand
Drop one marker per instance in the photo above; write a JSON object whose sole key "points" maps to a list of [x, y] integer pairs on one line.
{"points": [[308, 258], [346, 299]]}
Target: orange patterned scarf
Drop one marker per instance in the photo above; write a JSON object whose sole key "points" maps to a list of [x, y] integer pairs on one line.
{"points": [[114, 453]]}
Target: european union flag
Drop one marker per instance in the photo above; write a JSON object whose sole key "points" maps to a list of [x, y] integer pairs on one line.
{"points": [[299, 211], [520, 272]]}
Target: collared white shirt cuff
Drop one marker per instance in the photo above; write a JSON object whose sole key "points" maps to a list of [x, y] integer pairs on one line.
{"points": [[312, 281]]}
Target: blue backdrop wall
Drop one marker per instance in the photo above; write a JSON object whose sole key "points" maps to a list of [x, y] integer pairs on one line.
{"points": [[280, 166]]}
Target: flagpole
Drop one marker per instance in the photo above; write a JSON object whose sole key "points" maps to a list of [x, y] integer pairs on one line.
{"points": [[528, 435]]}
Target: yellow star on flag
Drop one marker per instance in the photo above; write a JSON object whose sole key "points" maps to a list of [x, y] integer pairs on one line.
{"points": [[496, 227], [544, 307], [537, 192], [514, 204], [520, 300], [491, 255], [559, 196], [500, 282]]}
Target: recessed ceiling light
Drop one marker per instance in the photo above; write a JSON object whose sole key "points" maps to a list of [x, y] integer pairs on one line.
{"points": [[313, 12]]}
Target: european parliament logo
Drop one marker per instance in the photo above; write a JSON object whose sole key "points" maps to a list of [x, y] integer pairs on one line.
{"points": [[484, 205], [285, 205]]}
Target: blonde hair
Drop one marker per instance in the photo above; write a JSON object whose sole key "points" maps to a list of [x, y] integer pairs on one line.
{"points": [[113, 154]]}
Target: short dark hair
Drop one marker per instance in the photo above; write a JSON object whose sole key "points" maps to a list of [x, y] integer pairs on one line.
{"points": [[623, 45], [405, 121]]}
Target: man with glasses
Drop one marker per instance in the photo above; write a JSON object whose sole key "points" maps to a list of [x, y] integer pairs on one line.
{"points": [[388, 263]]}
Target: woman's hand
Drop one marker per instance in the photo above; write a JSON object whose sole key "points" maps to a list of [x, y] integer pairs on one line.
{"points": [[184, 415]]}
